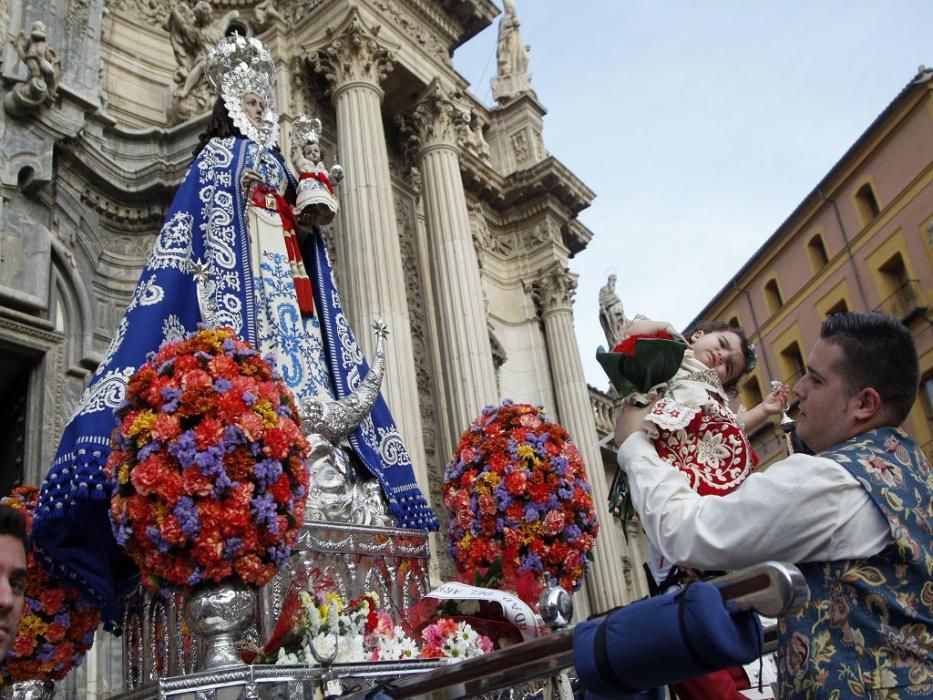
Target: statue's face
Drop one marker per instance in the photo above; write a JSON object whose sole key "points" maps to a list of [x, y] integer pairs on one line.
{"points": [[254, 107], [312, 152], [202, 11]]}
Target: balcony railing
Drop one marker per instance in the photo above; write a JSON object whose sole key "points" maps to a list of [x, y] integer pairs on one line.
{"points": [[905, 304], [603, 407]]}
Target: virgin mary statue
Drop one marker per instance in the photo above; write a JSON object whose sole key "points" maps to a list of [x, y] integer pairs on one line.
{"points": [[229, 254]]}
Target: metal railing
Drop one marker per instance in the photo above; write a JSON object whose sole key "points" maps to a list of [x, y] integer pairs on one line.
{"points": [[772, 589], [905, 303]]}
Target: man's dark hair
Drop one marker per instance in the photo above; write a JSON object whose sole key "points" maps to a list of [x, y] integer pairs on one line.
{"points": [[879, 352], [13, 523], [722, 326]]}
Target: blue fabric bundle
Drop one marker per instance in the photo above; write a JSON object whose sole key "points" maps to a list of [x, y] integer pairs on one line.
{"points": [[662, 640]]}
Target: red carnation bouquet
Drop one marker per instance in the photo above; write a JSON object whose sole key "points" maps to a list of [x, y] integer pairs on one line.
{"points": [[208, 464], [58, 624], [519, 500], [642, 361]]}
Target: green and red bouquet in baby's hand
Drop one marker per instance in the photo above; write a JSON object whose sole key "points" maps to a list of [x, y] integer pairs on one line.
{"points": [[642, 361]]}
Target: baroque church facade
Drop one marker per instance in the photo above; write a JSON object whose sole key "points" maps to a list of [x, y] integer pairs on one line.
{"points": [[455, 227]]}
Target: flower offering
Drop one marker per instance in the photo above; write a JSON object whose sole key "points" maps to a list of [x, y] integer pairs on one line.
{"points": [[208, 464], [454, 641], [341, 632], [58, 624], [519, 499], [641, 362]]}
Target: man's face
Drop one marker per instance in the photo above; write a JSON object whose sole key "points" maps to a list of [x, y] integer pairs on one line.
{"points": [[12, 589], [826, 408]]}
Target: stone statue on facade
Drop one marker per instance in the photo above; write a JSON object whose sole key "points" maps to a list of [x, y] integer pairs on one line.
{"points": [[512, 78], [264, 14], [193, 31], [611, 314], [43, 66], [474, 139]]}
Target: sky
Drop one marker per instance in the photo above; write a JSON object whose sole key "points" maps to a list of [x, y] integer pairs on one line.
{"points": [[700, 126]]}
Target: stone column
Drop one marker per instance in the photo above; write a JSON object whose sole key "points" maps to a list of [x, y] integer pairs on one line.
{"points": [[463, 336], [553, 292], [355, 61]]}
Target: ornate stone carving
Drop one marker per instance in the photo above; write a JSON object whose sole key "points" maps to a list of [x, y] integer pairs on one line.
{"points": [[141, 216], [537, 235], [555, 290], [611, 313], [145, 11], [43, 67], [192, 33], [502, 243], [472, 137], [265, 13], [512, 58], [520, 147], [414, 30], [437, 119], [295, 11], [352, 52]]}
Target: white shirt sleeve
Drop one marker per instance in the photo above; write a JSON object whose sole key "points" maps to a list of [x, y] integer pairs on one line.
{"points": [[801, 509]]}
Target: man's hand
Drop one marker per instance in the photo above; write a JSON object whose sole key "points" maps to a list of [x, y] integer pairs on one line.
{"points": [[630, 419]]}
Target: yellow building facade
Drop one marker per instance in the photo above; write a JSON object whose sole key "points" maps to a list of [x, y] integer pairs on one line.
{"points": [[861, 240]]}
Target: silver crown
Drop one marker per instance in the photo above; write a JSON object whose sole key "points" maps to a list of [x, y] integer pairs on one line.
{"points": [[238, 66], [306, 129]]}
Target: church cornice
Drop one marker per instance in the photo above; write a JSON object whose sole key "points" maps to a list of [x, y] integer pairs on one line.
{"points": [[527, 192], [470, 17], [125, 171]]}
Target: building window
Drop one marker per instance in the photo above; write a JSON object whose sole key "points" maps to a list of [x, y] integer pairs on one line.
{"points": [[773, 296], [751, 393], [792, 364], [734, 322], [816, 251], [902, 297], [840, 307], [867, 204]]}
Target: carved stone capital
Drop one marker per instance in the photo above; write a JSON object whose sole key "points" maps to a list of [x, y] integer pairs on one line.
{"points": [[437, 119], [352, 52], [555, 290]]}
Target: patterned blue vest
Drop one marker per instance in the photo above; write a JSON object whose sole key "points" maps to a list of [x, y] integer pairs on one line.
{"points": [[867, 630]]}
